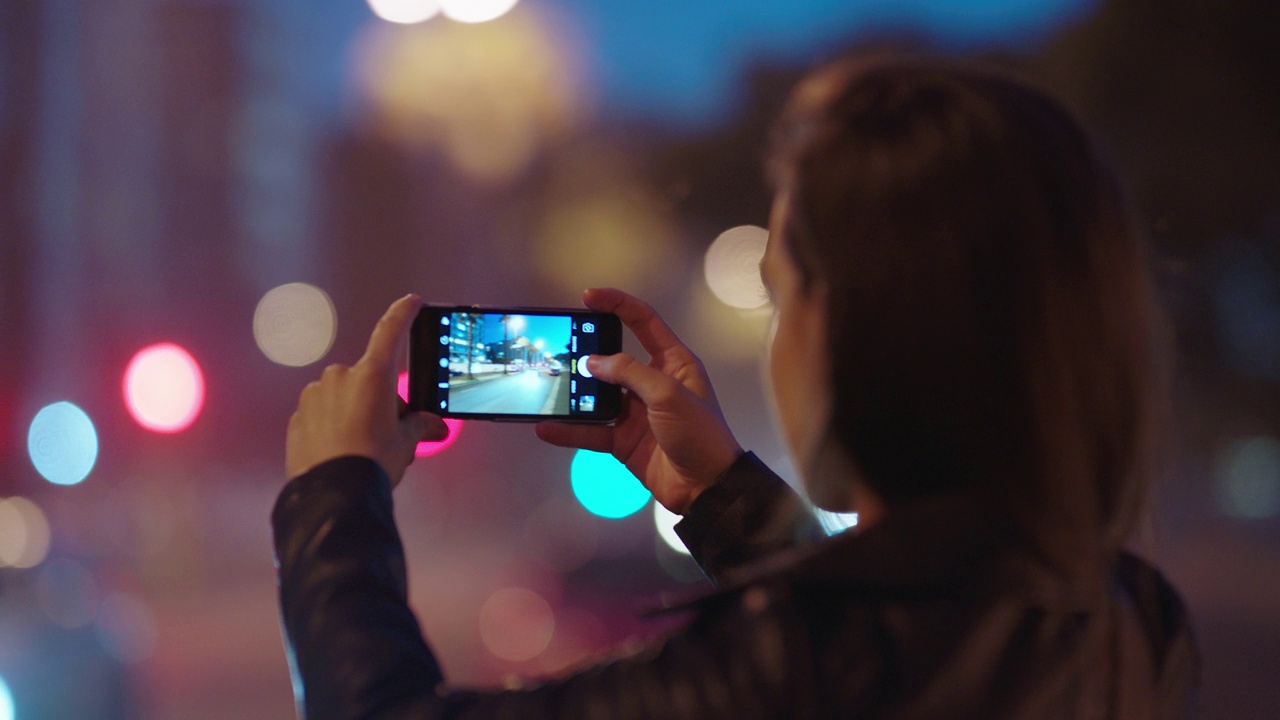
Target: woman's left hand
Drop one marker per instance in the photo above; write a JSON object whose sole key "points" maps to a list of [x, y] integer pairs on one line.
{"points": [[356, 411]]}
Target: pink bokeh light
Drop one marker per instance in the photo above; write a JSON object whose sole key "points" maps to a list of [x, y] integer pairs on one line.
{"points": [[164, 388], [427, 449]]}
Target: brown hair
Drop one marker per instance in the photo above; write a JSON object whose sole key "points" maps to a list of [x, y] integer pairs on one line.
{"points": [[990, 308]]}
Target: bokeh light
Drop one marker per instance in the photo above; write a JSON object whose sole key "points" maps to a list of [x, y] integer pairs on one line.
{"points": [[604, 486], [835, 523], [67, 593], [427, 449], [602, 227], [295, 324], [24, 533], [732, 266], [6, 701], [516, 624], [126, 628], [62, 443], [665, 521], [164, 388], [489, 96], [1247, 482], [476, 11], [405, 11]]}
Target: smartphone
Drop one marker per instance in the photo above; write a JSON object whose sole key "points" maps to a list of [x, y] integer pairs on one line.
{"points": [[512, 364]]}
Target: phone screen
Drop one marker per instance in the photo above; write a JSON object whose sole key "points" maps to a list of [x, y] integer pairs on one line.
{"points": [[512, 363]]}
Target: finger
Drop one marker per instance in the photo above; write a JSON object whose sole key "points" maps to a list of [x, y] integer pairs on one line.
{"points": [[308, 393], [390, 337], [654, 387], [424, 427], [654, 334], [588, 437]]}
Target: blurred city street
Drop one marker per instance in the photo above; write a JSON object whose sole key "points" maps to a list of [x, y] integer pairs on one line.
{"points": [[529, 390]]}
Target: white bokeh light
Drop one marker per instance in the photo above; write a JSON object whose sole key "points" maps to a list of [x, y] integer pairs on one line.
{"points": [[732, 266], [295, 324], [6, 701], [476, 11], [1248, 478], [24, 533], [834, 522], [665, 521], [405, 12]]}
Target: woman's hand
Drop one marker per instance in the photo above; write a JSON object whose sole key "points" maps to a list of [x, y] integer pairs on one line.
{"points": [[356, 411], [671, 433]]}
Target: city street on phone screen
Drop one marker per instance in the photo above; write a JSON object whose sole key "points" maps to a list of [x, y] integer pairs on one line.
{"points": [[509, 364]]}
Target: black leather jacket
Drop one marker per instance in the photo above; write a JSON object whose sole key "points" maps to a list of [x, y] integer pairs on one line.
{"points": [[932, 612]]}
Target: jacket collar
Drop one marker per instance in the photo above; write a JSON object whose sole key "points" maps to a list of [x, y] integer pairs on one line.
{"points": [[937, 546]]}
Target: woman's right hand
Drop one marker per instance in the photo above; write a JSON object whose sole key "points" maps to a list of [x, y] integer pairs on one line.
{"points": [[671, 433]]}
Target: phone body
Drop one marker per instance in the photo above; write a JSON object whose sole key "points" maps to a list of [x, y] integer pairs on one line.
{"points": [[514, 364]]}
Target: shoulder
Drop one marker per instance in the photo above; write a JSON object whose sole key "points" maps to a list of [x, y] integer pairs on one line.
{"points": [[811, 649]]}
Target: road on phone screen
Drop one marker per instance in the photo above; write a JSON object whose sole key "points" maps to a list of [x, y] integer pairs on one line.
{"points": [[525, 392]]}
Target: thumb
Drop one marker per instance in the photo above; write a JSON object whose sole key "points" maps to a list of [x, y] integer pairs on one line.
{"points": [[656, 388], [419, 426]]}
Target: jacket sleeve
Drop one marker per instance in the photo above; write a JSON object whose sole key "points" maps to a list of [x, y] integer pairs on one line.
{"points": [[357, 650], [748, 514]]}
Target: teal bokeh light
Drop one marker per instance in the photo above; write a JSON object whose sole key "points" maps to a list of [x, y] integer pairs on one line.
{"points": [[604, 486], [62, 443]]}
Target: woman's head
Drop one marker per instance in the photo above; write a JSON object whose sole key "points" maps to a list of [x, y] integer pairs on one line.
{"points": [[973, 294]]}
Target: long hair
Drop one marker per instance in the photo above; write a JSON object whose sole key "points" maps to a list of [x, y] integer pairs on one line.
{"points": [[991, 315]]}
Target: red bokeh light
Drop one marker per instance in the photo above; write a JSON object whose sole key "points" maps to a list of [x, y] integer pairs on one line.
{"points": [[164, 388], [427, 449]]}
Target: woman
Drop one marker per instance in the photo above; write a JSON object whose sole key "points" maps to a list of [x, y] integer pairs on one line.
{"points": [[963, 353]]}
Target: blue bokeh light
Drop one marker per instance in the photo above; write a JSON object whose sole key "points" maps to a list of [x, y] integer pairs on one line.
{"points": [[62, 443], [6, 702], [604, 486]]}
